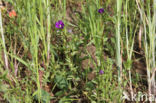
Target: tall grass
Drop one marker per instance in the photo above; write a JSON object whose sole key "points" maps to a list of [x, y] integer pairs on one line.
{"points": [[118, 37], [45, 63], [34, 38], [3, 42], [148, 21], [130, 39]]}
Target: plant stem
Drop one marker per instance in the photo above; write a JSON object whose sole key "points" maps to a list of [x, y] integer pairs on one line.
{"points": [[118, 54], [3, 42]]}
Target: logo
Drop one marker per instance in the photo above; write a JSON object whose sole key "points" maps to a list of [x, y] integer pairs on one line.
{"points": [[138, 97]]}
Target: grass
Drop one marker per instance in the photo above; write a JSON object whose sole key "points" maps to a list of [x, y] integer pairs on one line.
{"points": [[94, 58]]}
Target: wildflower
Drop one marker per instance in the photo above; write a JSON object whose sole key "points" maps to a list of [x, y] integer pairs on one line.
{"points": [[101, 72], [69, 30], [101, 10], [59, 24], [12, 13]]}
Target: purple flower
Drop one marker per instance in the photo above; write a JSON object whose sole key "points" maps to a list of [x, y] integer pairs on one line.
{"points": [[69, 30], [101, 72], [59, 24], [101, 10]]}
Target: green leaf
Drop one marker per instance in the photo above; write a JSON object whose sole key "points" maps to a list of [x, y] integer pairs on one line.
{"points": [[61, 81], [45, 96]]}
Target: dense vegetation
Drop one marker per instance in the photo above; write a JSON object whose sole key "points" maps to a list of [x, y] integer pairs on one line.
{"points": [[77, 51]]}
